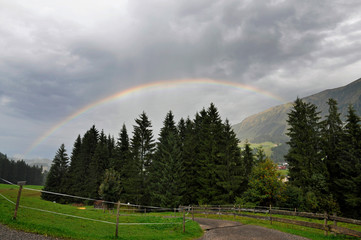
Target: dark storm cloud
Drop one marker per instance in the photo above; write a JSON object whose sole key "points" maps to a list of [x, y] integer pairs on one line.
{"points": [[59, 56]]}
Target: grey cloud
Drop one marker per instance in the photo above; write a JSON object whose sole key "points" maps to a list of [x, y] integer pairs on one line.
{"points": [[58, 58]]}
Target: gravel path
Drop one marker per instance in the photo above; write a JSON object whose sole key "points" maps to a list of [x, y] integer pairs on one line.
{"points": [[229, 230], [11, 234]]}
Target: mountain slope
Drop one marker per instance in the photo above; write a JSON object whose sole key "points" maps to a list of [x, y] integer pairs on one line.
{"points": [[271, 124]]}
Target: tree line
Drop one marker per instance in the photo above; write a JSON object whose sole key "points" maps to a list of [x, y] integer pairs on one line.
{"points": [[324, 160], [200, 162], [194, 161], [14, 171]]}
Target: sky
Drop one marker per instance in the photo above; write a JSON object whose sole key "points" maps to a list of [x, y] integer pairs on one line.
{"points": [[66, 65]]}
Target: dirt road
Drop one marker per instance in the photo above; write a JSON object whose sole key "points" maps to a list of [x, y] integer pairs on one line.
{"points": [[11, 234], [229, 230]]}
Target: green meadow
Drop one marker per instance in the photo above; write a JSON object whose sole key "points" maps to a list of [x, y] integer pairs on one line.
{"points": [[132, 226]]}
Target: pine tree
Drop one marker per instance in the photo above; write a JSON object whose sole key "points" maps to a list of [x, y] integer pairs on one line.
{"points": [[229, 169], [248, 162], [349, 180], [56, 176], [331, 137], [142, 149], [260, 155], [88, 147], [307, 170], [74, 169], [99, 163], [188, 148], [123, 164], [166, 176]]}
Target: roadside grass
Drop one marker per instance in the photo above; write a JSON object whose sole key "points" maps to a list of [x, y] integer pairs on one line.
{"points": [[63, 226], [311, 233]]}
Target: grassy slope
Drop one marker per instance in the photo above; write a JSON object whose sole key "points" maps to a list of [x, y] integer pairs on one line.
{"points": [[69, 227]]}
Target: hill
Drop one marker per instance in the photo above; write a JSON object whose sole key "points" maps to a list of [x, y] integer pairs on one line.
{"points": [[271, 125]]}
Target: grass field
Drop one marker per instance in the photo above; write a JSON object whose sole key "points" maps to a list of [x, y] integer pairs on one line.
{"points": [[73, 228], [65, 226]]}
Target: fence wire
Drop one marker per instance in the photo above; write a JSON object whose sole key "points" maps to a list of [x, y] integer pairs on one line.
{"points": [[85, 218]]}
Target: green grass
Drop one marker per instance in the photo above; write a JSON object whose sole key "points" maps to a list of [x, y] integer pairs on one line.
{"points": [[310, 233], [267, 147], [284, 172], [68, 227]]}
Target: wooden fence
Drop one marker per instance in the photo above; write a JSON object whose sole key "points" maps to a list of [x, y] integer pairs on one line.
{"points": [[269, 212]]}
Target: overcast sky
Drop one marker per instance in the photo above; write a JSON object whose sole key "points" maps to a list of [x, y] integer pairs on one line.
{"points": [[59, 56]]}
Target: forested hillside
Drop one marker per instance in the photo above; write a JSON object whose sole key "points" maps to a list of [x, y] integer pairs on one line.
{"points": [[14, 171], [271, 124]]}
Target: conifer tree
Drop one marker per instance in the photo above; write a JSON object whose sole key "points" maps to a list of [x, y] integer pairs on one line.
{"points": [[124, 165], [166, 176], [229, 169], [56, 176], [99, 163], [332, 134], [74, 169], [349, 181], [142, 149], [307, 170], [190, 165], [248, 163]]}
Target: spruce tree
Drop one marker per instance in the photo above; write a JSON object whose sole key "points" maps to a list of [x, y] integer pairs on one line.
{"points": [[307, 169], [209, 134], [229, 169], [124, 165], [142, 150], [332, 133], [99, 163], [166, 176], [349, 180], [56, 177], [75, 168], [190, 164], [247, 162]]}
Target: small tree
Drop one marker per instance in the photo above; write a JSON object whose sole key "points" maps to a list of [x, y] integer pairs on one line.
{"points": [[110, 188], [265, 185]]}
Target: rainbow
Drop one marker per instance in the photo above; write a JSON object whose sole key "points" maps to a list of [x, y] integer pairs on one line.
{"points": [[145, 87]]}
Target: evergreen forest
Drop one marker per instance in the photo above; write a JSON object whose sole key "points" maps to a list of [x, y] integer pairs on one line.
{"points": [[200, 161], [14, 171]]}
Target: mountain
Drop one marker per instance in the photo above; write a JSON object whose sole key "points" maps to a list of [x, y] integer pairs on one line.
{"points": [[271, 124]]}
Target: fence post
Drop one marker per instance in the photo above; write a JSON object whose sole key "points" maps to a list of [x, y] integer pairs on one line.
{"points": [[184, 220], [270, 214], [192, 213], [18, 199], [335, 222], [116, 227], [325, 224]]}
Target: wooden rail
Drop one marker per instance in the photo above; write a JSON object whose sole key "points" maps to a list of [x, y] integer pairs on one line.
{"points": [[242, 212]]}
